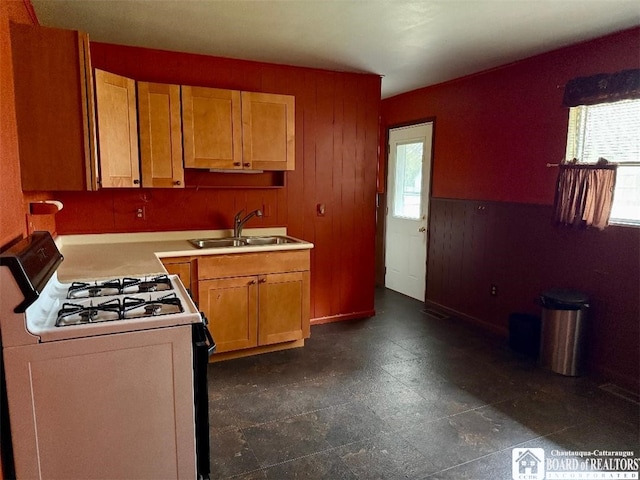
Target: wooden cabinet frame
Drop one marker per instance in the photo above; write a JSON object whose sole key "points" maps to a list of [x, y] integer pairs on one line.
{"points": [[255, 302], [211, 128], [268, 131], [54, 108], [159, 124], [117, 130], [233, 130]]}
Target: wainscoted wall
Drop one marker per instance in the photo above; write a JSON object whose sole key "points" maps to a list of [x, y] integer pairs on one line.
{"points": [[474, 244], [337, 125], [490, 219]]}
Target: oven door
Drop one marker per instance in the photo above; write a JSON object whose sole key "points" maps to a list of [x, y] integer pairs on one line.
{"points": [[203, 347]]}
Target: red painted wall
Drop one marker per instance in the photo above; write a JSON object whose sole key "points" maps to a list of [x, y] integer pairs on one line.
{"points": [[494, 133], [336, 160], [12, 202], [15, 220]]}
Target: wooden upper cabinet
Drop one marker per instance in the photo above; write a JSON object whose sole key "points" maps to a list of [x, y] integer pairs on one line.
{"points": [[211, 127], [117, 130], [268, 131], [160, 134], [54, 108]]}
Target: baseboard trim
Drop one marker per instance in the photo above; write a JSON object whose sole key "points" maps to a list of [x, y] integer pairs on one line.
{"points": [[343, 316], [495, 329], [607, 374], [593, 370]]}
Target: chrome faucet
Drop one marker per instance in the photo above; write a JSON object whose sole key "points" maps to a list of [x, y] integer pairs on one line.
{"points": [[239, 222]]}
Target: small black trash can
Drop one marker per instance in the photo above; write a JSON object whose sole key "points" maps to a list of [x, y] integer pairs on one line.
{"points": [[524, 334], [563, 331]]}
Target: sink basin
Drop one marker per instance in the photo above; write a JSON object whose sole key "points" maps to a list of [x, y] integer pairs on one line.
{"points": [[268, 240], [216, 242], [241, 242]]}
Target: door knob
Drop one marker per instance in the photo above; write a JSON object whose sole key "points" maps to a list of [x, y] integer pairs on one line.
{"points": [[422, 229]]}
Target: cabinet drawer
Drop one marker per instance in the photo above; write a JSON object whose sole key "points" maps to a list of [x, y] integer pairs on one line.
{"points": [[231, 265]]}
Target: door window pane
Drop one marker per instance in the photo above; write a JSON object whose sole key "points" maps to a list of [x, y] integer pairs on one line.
{"points": [[408, 180]]}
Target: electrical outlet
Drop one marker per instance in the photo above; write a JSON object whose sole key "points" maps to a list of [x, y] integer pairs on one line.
{"points": [[494, 290], [140, 213]]}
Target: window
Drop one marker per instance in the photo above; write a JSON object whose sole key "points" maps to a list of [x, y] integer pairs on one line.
{"points": [[611, 131], [408, 182]]}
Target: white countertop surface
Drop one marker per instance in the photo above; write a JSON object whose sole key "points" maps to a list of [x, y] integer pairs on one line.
{"points": [[114, 255]]}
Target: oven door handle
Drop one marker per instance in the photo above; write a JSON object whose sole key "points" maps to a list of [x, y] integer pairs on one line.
{"points": [[211, 344]]}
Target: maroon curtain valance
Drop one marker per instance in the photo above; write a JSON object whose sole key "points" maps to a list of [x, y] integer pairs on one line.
{"points": [[602, 88]]}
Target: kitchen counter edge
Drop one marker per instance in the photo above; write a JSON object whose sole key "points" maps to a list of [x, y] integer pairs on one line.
{"points": [[113, 255]]}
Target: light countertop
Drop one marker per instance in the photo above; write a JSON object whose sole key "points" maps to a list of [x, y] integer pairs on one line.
{"points": [[107, 256]]}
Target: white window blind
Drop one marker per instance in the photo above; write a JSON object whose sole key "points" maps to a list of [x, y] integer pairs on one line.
{"points": [[611, 131]]}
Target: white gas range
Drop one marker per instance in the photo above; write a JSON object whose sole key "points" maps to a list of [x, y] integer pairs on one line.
{"points": [[116, 368], [99, 307]]}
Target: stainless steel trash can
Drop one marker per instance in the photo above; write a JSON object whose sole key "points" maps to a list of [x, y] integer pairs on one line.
{"points": [[563, 331]]}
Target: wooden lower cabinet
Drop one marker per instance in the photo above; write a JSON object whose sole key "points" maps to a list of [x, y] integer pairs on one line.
{"points": [[182, 267], [260, 310], [281, 307]]}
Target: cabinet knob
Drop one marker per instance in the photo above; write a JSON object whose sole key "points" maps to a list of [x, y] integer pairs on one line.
{"points": [[247, 164], [422, 229], [177, 182], [136, 181], [252, 282], [237, 164], [263, 280]]}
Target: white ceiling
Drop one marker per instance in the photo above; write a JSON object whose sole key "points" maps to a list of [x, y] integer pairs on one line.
{"points": [[411, 43]]}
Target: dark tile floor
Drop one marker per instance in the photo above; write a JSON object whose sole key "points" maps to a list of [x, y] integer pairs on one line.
{"points": [[402, 395]]}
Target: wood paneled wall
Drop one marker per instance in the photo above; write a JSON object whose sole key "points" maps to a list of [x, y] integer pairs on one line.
{"points": [[474, 244], [12, 202], [337, 124], [492, 195]]}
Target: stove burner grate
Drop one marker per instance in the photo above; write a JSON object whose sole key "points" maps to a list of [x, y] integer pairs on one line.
{"points": [[118, 309], [119, 286], [73, 314], [153, 284], [95, 289], [135, 308]]}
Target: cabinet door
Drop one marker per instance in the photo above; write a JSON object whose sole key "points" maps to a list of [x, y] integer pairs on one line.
{"points": [[268, 131], [117, 130], [74, 400], [282, 301], [182, 269], [211, 128], [54, 108], [160, 135], [230, 305]]}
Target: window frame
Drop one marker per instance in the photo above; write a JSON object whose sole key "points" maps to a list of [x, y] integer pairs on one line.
{"points": [[576, 132]]}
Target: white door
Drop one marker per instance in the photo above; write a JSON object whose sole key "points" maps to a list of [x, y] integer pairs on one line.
{"points": [[408, 183]]}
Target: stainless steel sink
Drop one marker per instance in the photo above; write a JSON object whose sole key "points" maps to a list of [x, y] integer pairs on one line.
{"points": [[216, 242], [241, 242], [277, 240]]}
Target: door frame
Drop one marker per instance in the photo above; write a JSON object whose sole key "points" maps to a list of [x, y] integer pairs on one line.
{"points": [[382, 201]]}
